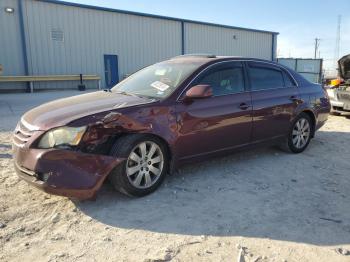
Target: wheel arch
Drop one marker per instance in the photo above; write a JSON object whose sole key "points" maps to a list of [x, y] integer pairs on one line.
{"points": [[313, 119], [166, 144]]}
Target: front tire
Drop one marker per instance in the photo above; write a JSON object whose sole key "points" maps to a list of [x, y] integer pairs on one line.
{"points": [[299, 135], [145, 166]]}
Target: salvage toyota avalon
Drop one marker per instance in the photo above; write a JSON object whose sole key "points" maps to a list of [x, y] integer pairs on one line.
{"points": [[185, 109]]}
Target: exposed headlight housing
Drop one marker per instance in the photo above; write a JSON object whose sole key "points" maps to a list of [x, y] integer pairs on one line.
{"points": [[62, 136]]}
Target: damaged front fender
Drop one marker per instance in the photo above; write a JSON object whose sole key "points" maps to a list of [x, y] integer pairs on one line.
{"points": [[124, 123], [108, 127], [113, 124]]}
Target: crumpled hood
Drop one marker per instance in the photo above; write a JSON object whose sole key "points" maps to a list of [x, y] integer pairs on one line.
{"points": [[344, 67], [62, 111]]}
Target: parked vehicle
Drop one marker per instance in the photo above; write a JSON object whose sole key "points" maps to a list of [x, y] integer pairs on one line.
{"points": [[339, 89], [184, 109]]}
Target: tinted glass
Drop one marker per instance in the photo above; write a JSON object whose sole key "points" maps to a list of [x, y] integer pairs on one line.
{"points": [[287, 80], [158, 80], [224, 81], [265, 78]]}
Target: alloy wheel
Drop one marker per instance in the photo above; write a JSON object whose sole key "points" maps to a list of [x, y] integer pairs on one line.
{"points": [[145, 164], [301, 133]]}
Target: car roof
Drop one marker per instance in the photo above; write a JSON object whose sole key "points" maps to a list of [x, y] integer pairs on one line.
{"points": [[206, 58]]}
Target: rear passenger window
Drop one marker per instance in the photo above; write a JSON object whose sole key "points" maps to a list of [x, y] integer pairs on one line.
{"points": [[287, 80], [224, 81], [265, 78]]}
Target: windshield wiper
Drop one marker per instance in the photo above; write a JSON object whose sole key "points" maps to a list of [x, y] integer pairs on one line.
{"points": [[145, 96], [117, 92], [129, 94], [123, 93], [132, 94]]}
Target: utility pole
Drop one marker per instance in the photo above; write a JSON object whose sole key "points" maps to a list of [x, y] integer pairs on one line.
{"points": [[337, 42], [317, 44]]}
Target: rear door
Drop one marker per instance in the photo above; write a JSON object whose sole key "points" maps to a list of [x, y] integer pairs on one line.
{"points": [[221, 121], [275, 97]]}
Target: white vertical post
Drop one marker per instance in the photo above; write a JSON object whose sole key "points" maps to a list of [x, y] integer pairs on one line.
{"points": [[31, 87]]}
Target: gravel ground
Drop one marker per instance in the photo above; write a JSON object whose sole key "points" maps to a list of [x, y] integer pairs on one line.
{"points": [[258, 205]]}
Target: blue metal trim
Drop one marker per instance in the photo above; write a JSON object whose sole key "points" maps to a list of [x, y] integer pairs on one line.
{"points": [[23, 37], [153, 16], [23, 43], [182, 37], [273, 48]]}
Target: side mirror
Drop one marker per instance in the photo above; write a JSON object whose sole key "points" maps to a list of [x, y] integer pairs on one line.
{"points": [[199, 91]]}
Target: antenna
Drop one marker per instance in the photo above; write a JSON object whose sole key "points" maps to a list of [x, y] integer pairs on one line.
{"points": [[337, 42]]}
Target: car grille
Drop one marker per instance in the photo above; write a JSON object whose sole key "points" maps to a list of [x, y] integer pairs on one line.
{"points": [[21, 135]]}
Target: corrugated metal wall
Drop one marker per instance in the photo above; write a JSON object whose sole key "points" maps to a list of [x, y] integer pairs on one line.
{"points": [[225, 41], [11, 56], [88, 34], [311, 69]]}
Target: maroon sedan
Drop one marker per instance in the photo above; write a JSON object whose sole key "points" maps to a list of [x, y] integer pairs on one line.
{"points": [[184, 109]]}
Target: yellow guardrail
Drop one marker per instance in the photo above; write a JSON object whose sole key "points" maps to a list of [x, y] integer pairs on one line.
{"points": [[32, 79]]}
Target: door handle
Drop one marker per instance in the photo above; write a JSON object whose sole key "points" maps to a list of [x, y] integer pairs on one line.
{"points": [[244, 106], [294, 99]]}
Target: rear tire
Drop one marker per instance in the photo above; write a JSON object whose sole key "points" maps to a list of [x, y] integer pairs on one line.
{"points": [[145, 166], [299, 135]]}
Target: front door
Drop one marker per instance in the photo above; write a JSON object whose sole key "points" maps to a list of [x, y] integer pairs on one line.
{"points": [[222, 121], [111, 70], [275, 97]]}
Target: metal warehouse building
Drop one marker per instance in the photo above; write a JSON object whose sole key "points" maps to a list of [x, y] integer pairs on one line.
{"points": [[47, 37]]}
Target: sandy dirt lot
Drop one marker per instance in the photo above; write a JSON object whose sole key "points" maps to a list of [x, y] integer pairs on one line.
{"points": [[258, 205]]}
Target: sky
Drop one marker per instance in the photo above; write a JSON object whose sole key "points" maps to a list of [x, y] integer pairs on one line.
{"points": [[298, 22]]}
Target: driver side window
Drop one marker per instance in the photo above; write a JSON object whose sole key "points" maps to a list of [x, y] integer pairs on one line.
{"points": [[224, 80]]}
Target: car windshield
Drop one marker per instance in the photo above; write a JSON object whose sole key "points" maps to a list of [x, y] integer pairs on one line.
{"points": [[158, 80]]}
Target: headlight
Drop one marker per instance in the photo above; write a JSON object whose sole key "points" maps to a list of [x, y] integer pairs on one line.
{"points": [[62, 136]]}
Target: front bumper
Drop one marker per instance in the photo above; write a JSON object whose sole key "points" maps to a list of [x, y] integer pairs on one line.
{"points": [[338, 107], [63, 172], [338, 104]]}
